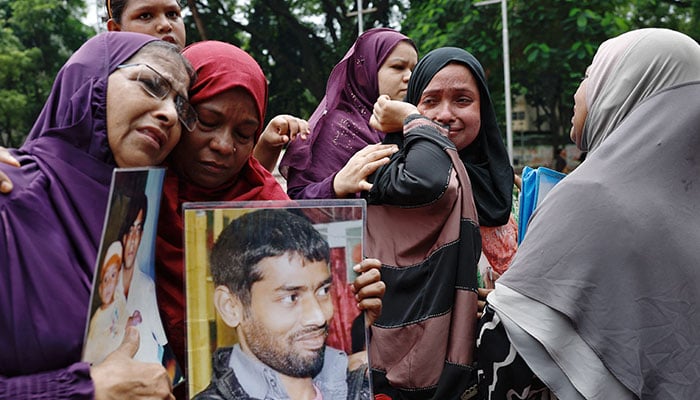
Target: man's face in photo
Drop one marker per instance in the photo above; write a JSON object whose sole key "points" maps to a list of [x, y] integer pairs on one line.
{"points": [[291, 308], [132, 239]]}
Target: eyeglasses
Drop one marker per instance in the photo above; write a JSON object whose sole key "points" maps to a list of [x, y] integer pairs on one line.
{"points": [[157, 86]]}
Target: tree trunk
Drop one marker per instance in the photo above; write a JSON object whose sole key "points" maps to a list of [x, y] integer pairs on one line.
{"points": [[197, 20]]}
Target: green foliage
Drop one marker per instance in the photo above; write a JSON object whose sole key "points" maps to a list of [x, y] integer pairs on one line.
{"points": [[36, 38], [450, 19], [296, 42], [554, 52], [551, 43], [13, 103]]}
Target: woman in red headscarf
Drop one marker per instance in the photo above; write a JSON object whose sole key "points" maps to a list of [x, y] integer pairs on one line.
{"points": [[213, 162]]}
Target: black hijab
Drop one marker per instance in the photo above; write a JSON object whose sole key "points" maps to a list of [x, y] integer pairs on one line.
{"points": [[486, 159]]}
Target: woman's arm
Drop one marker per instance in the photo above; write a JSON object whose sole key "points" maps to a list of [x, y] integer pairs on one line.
{"points": [[117, 377], [278, 132], [420, 171], [352, 178], [349, 179], [389, 115], [72, 382]]}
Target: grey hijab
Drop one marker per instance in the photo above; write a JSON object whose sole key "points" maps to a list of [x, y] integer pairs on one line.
{"points": [[629, 68], [613, 249]]}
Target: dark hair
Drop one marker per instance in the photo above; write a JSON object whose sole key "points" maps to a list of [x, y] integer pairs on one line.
{"points": [[115, 9], [137, 202], [258, 235]]}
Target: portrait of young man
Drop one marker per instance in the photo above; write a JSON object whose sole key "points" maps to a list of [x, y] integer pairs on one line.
{"points": [[271, 270]]}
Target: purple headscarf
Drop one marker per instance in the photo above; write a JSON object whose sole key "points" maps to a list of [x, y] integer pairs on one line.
{"points": [[50, 226], [340, 124]]}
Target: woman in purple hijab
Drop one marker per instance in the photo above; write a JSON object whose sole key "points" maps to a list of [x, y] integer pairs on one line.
{"points": [[118, 101], [342, 149]]}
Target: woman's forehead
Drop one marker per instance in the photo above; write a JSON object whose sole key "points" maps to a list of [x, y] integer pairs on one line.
{"points": [[168, 65], [453, 76]]}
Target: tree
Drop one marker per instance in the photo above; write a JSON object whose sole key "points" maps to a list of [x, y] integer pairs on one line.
{"points": [[551, 43], [36, 38], [553, 58], [680, 15], [13, 102], [296, 42], [550, 46]]}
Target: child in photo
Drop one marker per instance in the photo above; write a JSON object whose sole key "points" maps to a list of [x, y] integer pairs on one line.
{"points": [[107, 324]]}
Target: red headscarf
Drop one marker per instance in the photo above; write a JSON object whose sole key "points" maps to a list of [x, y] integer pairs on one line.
{"points": [[220, 67]]}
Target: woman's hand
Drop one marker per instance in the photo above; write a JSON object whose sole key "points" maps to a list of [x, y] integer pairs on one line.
{"points": [[119, 376], [352, 178], [279, 131], [369, 289], [388, 115], [481, 303], [5, 182]]}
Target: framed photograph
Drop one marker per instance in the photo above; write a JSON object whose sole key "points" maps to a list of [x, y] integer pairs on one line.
{"points": [[270, 313], [123, 291]]}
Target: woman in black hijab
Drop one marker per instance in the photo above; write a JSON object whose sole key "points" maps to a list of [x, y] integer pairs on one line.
{"points": [[486, 157], [422, 223]]}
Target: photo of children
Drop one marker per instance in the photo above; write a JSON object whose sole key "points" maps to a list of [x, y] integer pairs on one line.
{"points": [[106, 329], [124, 288]]}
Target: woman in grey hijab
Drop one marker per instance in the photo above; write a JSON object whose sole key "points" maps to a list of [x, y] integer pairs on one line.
{"points": [[602, 298]]}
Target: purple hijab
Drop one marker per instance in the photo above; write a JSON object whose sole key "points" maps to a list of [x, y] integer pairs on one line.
{"points": [[51, 224], [340, 124]]}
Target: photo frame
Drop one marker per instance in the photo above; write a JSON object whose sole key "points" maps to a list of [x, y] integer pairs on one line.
{"points": [[123, 289], [340, 223]]}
